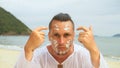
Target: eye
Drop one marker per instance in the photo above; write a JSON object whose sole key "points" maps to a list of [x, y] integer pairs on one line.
{"points": [[66, 35], [56, 35]]}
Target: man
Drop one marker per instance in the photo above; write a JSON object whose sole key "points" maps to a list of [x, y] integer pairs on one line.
{"points": [[62, 52]]}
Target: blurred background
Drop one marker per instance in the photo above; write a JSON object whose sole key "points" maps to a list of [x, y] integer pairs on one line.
{"points": [[19, 17]]}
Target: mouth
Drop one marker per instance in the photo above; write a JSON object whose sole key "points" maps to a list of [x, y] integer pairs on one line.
{"points": [[61, 47], [61, 50]]}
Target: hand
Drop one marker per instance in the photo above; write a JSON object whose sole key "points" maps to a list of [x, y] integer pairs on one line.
{"points": [[36, 39], [86, 37]]}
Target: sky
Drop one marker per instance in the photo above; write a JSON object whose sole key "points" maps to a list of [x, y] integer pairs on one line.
{"points": [[103, 15]]}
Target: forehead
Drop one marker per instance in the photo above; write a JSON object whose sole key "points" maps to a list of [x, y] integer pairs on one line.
{"points": [[61, 24]]}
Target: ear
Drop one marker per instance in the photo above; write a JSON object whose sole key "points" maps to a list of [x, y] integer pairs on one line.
{"points": [[73, 35], [49, 35]]}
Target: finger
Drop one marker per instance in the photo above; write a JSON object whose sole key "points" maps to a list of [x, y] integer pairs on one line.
{"points": [[41, 33], [42, 37], [84, 36], [83, 28], [82, 33], [81, 39], [90, 28], [41, 28]]}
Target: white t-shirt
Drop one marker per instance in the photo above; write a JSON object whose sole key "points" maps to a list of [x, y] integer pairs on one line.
{"points": [[80, 58]]}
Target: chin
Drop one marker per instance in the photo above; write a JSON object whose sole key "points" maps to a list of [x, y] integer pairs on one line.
{"points": [[62, 52]]}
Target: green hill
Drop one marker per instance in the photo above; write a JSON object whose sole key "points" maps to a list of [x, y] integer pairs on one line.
{"points": [[10, 25]]}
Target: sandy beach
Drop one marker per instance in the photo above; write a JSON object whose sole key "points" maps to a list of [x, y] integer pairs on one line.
{"points": [[8, 59]]}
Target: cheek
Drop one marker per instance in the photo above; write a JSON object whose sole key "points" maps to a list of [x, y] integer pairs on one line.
{"points": [[69, 42], [54, 42]]}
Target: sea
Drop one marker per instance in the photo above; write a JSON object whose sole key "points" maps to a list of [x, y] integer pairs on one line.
{"points": [[108, 46]]}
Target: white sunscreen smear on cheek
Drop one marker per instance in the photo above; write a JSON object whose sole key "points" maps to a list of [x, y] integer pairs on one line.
{"points": [[68, 43], [67, 46], [54, 42]]}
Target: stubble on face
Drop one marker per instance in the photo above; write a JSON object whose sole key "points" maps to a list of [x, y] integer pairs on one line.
{"points": [[55, 47]]}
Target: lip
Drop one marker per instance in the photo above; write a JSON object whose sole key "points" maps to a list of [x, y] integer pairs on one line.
{"points": [[61, 47]]}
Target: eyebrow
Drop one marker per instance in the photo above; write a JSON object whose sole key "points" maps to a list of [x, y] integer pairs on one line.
{"points": [[63, 34]]}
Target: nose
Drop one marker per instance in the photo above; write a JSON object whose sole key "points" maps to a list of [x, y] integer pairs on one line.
{"points": [[61, 40]]}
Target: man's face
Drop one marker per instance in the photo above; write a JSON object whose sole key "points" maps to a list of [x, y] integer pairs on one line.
{"points": [[61, 36]]}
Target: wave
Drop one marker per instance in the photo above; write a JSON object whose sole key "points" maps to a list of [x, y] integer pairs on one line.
{"points": [[18, 47], [112, 58], [12, 47]]}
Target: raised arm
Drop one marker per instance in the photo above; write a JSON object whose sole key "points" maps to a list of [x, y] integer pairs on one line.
{"points": [[87, 39], [35, 40]]}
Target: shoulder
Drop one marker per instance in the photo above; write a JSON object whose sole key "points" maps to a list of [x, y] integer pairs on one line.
{"points": [[83, 56], [40, 54], [81, 50], [40, 51], [79, 47]]}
